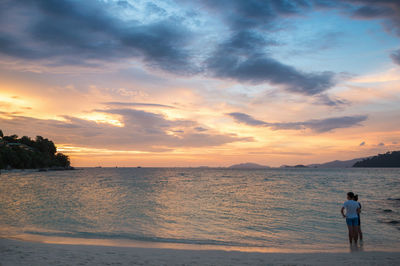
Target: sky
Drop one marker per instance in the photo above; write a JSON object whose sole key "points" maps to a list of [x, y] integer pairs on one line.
{"points": [[174, 83]]}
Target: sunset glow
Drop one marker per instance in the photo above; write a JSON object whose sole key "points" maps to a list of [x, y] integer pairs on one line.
{"points": [[195, 83]]}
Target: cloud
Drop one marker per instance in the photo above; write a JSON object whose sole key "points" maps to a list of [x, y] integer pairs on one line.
{"points": [[242, 58], [246, 119], [381, 144], [371, 9], [200, 129], [321, 41], [372, 12], [319, 126], [253, 14], [396, 56], [362, 143], [264, 16], [10, 46], [142, 131], [90, 33], [328, 124], [329, 101], [134, 104], [70, 32], [84, 33]]}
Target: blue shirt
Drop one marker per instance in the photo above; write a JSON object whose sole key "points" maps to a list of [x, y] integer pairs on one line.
{"points": [[351, 207]]}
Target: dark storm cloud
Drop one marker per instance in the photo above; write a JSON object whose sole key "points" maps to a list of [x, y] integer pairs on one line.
{"points": [[144, 131], [316, 125], [60, 29], [396, 56]]}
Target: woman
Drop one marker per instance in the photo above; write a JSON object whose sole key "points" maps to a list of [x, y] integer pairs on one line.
{"points": [[352, 211], [359, 221]]}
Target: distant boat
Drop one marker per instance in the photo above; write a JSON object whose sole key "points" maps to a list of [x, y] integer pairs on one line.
{"points": [[139, 167], [97, 167]]}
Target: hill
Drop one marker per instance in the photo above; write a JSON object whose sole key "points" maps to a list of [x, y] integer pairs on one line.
{"points": [[25, 153], [337, 164], [389, 159]]}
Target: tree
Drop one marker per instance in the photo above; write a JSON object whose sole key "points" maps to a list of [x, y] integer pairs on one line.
{"points": [[12, 138], [62, 160], [27, 141], [24, 153], [389, 159]]}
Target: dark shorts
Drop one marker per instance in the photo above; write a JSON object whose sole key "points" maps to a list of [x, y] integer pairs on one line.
{"points": [[352, 221]]}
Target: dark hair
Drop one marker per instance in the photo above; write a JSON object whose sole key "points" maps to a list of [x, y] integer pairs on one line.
{"points": [[355, 197], [351, 195]]}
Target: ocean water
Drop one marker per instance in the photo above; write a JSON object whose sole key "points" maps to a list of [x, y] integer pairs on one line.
{"points": [[270, 209]]}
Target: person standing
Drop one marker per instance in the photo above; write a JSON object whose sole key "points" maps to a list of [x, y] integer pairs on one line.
{"points": [[352, 211], [360, 235]]}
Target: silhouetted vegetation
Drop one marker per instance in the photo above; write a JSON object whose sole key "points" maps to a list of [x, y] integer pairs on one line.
{"points": [[389, 159], [25, 153]]}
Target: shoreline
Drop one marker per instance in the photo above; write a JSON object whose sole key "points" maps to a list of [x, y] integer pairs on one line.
{"points": [[131, 243], [17, 252], [31, 170]]}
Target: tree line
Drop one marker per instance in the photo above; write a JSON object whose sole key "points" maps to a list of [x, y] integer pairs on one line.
{"points": [[26, 153], [389, 159]]}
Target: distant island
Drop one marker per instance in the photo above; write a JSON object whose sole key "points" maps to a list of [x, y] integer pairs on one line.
{"points": [[389, 159], [248, 166], [337, 164], [295, 166], [25, 153]]}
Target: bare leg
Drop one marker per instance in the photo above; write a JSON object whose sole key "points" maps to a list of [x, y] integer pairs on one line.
{"points": [[355, 233], [350, 233], [360, 233]]}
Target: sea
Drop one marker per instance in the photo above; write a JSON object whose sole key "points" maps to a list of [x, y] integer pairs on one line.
{"points": [[267, 210]]}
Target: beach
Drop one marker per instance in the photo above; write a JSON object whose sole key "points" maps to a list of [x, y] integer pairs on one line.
{"points": [[195, 217], [15, 252]]}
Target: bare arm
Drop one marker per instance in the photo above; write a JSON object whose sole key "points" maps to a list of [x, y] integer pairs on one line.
{"points": [[344, 216]]}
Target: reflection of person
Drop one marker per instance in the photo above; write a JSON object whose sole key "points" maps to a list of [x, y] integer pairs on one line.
{"points": [[352, 211], [359, 221]]}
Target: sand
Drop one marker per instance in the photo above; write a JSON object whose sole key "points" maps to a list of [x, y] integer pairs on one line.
{"points": [[16, 252]]}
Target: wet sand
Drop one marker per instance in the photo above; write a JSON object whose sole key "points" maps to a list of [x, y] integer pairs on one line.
{"points": [[16, 252]]}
